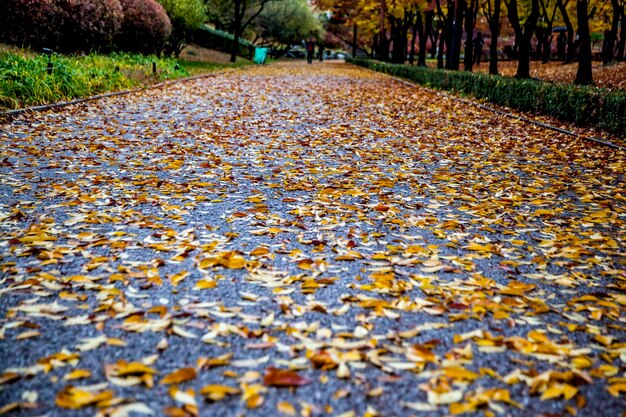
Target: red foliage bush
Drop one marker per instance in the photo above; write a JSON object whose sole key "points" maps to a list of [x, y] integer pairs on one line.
{"points": [[89, 24], [63, 25], [145, 27], [35, 23]]}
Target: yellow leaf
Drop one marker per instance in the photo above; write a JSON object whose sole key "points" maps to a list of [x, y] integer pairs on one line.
{"points": [[180, 375], [260, 251], [460, 373], [286, 408], [255, 401], [569, 391], [205, 284], [177, 278], [554, 391], [124, 369], [75, 398], [77, 374], [218, 392]]}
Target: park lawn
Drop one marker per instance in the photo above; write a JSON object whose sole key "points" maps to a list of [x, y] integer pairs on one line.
{"points": [[25, 81]]}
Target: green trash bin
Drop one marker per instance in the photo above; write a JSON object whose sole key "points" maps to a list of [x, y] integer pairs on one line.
{"points": [[260, 55]]}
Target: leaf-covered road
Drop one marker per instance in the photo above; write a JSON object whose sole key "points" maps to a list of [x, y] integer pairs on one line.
{"points": [[307, 240]]}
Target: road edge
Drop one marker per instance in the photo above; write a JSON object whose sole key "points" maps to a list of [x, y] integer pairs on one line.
{"points": [[10, 114]]}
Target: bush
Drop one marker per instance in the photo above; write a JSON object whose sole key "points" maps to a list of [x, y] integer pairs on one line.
{"points": [[62, 25], [145, 27], [581, 105], [89, 25], [186, 16], [34, 23]]}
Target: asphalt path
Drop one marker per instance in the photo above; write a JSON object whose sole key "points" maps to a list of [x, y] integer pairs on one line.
{"points": [[307, 240]]}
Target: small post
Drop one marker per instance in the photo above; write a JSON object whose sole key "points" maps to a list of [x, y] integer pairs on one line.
{"points": [[50, 66], [154, 68]]}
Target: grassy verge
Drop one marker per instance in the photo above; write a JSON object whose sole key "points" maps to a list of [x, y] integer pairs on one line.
{"points": [[583, 106], [25, 81]]}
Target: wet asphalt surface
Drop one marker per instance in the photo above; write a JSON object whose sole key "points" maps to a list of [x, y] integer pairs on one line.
{"points": [[323, 219]]}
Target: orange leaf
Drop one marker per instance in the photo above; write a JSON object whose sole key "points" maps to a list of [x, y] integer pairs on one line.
{"points": [[284, 378], [180, 375]]}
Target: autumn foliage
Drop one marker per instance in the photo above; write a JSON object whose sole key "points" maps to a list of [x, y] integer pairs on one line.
{"points": [[84, 25], [146, 27], [89, 24], [30, 22]]}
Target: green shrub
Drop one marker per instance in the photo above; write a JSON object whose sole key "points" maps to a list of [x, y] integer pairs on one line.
{"points": [[222, 41], [581, 105], [145, 28], [186, 16]]}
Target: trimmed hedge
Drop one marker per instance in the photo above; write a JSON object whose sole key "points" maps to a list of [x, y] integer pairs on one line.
{"points": [[581, 105], [222, 41], [145, 28]]}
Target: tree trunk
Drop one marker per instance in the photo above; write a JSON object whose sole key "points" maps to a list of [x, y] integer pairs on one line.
{"points": [[442, 45], [523, 35], [433, 34], [383, 47], [457, 36], [398, 37], [423, 37], [234, 48], [494, 28], [354, 46], [609, 47], [414, 27], [621, 45], [471, 13], [547, 44], [569, 57], [584, 75]]}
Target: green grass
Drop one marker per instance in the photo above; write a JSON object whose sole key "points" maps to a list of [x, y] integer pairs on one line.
{"points": [[25, 82]]}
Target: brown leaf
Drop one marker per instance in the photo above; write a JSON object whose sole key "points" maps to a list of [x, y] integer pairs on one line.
{"points": [[284, 378], [180, 375]]}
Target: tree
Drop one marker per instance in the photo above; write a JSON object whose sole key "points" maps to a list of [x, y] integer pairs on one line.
{"points": [[617, 7], [422, 29], [344, 18], [621, 44], [523, 33], [234, 16], [547, 16], [491, 10], [445, 14], [456, 35], [584, 74], [186, 16], [401, 17], [562, 5], [471, 13], [286, 22]]}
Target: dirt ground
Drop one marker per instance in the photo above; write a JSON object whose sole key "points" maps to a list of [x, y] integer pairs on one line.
{"points": [[609, 76]]}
